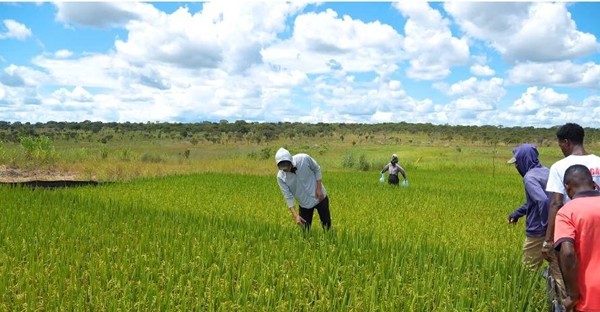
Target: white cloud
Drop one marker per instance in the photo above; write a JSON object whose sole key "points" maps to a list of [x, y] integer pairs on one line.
{"points": [[324, 42], [482, 70], [564, 73], [429, 43], [22, 76], [487, 89], [222, 35], [538, 31], [61, 54], [15, 30], [78, 94], [535, 99], [102, 14]]}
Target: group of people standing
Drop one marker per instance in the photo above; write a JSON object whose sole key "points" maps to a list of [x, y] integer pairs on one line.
{"points": [[562, 212]]}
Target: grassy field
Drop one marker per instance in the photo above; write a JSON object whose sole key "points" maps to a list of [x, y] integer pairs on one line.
{"points": [[211, 233]]}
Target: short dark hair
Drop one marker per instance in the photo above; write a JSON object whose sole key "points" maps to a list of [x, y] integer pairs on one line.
{"points": [[572, 132], [577, 174]]}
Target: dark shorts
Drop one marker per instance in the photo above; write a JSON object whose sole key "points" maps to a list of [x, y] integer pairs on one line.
{"points": [[393, 179]]}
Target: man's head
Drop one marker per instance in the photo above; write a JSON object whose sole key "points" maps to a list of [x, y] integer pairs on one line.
{"points": [[394, 159], [569, 136], [578, 179], [525, 158], [284, 160]]}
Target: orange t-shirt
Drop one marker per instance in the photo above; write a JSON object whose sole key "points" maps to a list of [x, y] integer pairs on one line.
{"points": [[579, 222]]}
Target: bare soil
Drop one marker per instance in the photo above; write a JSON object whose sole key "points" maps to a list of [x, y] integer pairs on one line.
{"points": [[23, 175]]}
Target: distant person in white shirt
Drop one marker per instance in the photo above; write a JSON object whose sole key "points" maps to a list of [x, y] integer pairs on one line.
{"points": [[570, 140], [300, 177]]}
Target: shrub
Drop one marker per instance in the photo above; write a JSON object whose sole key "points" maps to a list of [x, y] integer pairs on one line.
{"points": [[363, 164], [39, 148], [348, 161]]}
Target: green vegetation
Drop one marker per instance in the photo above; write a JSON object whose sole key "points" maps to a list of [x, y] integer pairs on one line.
{"points": [[220, 241], [199, 224]]}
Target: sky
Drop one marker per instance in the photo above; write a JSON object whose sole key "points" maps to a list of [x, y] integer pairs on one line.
{"points": [[457, 63]]}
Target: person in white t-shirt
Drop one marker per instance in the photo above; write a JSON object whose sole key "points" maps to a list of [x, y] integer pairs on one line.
{"points": [[570, 140]]}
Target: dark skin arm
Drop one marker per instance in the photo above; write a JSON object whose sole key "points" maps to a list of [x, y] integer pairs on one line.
{"points": [[569, 265], [555, 204]]}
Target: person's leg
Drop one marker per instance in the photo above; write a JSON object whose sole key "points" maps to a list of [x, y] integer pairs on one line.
{"points": [[307, 215], [393, 179], [532, 252], [324, 215], [554, 269]]}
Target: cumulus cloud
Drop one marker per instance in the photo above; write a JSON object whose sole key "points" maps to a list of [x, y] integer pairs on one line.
{"points": [[78, 94], [322, 42], [15, 30], [565, 73], [102, 14], [21, 76], [429, 43], [481, 70], [222, 35], [536, 98], [539, 31], [475, 95], [64, 53]]}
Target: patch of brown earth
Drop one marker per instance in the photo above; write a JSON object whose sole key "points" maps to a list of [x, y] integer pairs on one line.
{"points": [[23, 175]]}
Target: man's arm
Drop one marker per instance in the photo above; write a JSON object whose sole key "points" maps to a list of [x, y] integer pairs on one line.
{"points": [[555, 204], [519, 212], [319, 191], [569, 266]]}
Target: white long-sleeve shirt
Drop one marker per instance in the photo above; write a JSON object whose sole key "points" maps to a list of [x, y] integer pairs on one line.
{"points": [[302, 184]]}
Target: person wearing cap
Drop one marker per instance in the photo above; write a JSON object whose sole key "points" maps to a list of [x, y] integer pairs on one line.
{"points": [[577, 240], [535, 176], [394, 168], [300, 177]]}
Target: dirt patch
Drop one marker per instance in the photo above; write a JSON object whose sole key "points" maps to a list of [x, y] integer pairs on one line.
{"points": [[23, 175]]}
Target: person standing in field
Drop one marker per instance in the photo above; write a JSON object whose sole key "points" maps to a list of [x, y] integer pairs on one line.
{"points": [[300, 177], [570, 140], [535, 208], [577, 240], [394, 168]]}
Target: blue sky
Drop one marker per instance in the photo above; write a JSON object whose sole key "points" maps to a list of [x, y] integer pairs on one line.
{"points": [[470, 63]]}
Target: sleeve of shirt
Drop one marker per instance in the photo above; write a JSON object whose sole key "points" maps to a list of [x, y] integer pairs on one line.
{"points": [[564, 229], [314, 166], [385, 168], [555, 183], [287, 193]]}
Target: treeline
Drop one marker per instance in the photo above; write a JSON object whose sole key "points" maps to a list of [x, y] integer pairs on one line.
{"points": [[255, 132]]}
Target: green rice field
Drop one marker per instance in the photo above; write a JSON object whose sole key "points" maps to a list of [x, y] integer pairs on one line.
{"points": [[224, 241]]}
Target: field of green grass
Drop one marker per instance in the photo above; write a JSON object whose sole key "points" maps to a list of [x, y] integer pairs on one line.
{"points": [[212, 233]]}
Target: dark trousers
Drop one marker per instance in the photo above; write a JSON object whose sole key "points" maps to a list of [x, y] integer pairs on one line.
{"points": [[323, 209], [393, 179]]}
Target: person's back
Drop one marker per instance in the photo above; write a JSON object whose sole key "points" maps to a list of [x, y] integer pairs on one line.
{"points": [[577, 235], [557, 171]]}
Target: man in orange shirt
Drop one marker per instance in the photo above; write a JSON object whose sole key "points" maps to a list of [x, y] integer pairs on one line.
{"points": [[577, 241]]}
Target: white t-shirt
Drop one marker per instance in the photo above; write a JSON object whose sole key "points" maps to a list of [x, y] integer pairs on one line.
{"points": [[557, 172]]}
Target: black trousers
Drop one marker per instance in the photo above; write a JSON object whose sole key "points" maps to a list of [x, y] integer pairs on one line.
{"points": [[393, 179], [323, 209]]}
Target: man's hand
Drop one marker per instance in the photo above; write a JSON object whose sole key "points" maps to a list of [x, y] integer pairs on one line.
{"points": [[512, 221], [547, 251], [569, 303], [299, 220], [319, 193]]}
